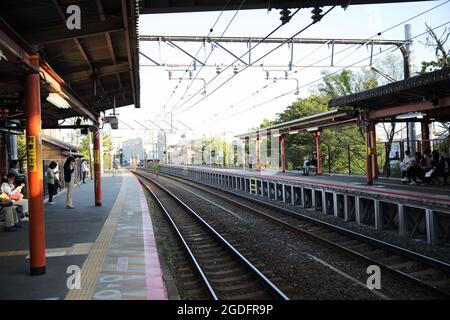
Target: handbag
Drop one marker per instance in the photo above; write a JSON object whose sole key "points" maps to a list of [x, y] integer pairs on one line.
{"points": [[16, 196], [57, 185]]}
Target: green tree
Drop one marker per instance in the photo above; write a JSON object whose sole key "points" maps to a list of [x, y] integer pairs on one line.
{"points": [[85, 146], [340, 146], [442, 52]]}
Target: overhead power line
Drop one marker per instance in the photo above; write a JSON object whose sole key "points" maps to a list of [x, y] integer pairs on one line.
{"points": [[312, 82], [259, 59], [341, 51]]}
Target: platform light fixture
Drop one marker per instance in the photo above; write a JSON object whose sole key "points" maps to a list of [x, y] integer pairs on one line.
{"points": [[58, 101], [293, 132], [312, 129]]}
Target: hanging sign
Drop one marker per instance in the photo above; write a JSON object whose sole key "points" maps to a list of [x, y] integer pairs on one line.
{"points": [[31, 153], [10, 108], [96, 156]]}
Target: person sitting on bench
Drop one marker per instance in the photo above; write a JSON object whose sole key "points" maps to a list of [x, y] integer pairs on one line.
{"points": [[406, 166], [6, 207], [440, 168], [309, 164], [15, 194]]}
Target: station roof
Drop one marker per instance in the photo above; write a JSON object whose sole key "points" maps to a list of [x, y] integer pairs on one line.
{"points": [[428, 93], [164, 6], [87, 67], [311, 123], [60, 144]]}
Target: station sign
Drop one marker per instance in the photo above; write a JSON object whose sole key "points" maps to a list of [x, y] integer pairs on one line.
{"points": [[10, 108]]}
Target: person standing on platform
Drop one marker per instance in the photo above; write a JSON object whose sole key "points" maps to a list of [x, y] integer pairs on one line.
{"points": [[84, 169], [69, 168], [115, 166], [51, 183]]}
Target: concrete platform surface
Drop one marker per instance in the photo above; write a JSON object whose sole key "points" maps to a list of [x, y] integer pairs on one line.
{"points": [[382, 186], [112, 247]]}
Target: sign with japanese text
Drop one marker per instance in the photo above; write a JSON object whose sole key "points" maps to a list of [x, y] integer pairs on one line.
{"points": [[31, 154]]}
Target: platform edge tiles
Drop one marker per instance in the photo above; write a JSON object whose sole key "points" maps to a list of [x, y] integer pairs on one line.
{"points": [[113, 238]]}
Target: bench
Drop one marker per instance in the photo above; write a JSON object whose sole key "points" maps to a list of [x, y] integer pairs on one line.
{"points": [[312, 169], [4, 204]]}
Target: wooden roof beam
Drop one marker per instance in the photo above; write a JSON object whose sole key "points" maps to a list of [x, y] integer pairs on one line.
{"points": [[59, 34], [101, 13], [127, 42]]}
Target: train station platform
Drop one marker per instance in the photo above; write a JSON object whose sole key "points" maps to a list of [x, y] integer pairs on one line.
{"points": [[412, 211], [383, 186], [113, 246]]}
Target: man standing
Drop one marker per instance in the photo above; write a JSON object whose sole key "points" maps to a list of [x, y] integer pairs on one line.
{"points": [[115, 166], [84, 169]]}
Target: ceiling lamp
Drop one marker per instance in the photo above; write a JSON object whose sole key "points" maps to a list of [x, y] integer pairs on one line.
{"points": [[58, 101]]}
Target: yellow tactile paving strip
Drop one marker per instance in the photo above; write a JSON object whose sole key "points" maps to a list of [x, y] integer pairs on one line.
{"points": [[94, 261], [76, 249]]}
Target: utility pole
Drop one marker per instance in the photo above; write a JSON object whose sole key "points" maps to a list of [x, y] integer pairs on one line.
{"points": [[411, 126]]}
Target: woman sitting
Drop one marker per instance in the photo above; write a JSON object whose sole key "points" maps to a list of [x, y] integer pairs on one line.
{"points": [[11, 220], [15, 194]]}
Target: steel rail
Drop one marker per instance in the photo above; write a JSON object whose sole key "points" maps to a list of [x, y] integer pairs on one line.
{"points": [[262, 278], [442, 266]]}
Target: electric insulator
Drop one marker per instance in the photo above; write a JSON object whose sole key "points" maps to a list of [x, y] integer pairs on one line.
{"points": [[285, 16], [317, 16]]}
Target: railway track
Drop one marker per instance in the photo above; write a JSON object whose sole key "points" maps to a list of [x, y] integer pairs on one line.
{"points": [[428, 273], [222, 269]]}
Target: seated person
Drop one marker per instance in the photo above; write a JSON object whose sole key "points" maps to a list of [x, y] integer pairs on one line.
{"points": [[308, 164], [414, 170], [11, 220], [15, 194], [426, 167], [405, 165], [14, 169], [440, 168]]}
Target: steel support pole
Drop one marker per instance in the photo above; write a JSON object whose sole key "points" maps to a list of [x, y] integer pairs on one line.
{"points": [[373, 137], [369, 154], [3, 155], [318, 152], [283, 156], [258, 165], [35, 174], [97, 168]]}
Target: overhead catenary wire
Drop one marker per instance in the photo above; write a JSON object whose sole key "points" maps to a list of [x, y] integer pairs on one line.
{"points": [[310, 83], [209, 55], [327, 57], [257, 60], [243, 55], [211, 30]]}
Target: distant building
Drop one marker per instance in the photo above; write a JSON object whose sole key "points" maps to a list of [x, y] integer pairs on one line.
{"points": [[133, 151]]}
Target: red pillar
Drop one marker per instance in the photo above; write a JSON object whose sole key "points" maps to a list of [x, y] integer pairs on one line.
{"points": [[3, 155], [425, 128], [373, 137], [283, 157], [369, 154], [35, 174], [318, 153], [97, 168]]}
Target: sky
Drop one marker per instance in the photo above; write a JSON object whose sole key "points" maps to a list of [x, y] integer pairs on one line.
{"points": [[240, 104]]}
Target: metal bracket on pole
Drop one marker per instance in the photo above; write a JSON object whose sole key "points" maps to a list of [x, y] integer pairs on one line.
{"points": [[292, 56], [185, 52], [249, 52], [332, 53], [229, 52]]}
